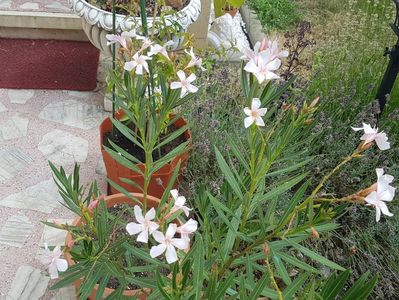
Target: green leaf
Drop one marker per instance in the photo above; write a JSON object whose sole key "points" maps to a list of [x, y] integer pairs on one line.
{"points": [[228, 174], [294, 201], [313, 255], [334, 285], [290, 290], [198, 266], [362, 288], [282, 271], [260, 285], [297, 263], [123, 160], [232, 233]]}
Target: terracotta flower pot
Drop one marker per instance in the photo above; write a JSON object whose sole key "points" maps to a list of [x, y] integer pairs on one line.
{"points": [[115, 170], [111, 201]]}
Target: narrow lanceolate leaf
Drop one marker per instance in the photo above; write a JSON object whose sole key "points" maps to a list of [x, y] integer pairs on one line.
{"points": [[123, 160], [282, 271], [232, 233], [362, 289], [282, 188], [234, 148], [290, 290], [198, 266], [294, 201], [260, 285], [313, 255], [297, 263], [127, 132], [334, 285], [228, 174]]}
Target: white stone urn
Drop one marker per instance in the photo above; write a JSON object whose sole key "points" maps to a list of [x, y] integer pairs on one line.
{"points": [[97, 22]]}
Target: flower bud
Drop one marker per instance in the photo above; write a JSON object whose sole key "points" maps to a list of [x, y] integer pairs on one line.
{"points": [[93, 205], [314, 102], [266, 249], [314, 233], [71, 243], [364, 146]]}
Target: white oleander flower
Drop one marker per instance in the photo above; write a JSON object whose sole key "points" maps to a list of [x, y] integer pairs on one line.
{"points": [[184, 84], [255, 114], [371, 134], [145, 225], [168, 243], [139, 63], [53, 260]]}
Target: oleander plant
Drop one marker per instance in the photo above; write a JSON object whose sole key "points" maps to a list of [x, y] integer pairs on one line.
{"points": [[250, 241]]}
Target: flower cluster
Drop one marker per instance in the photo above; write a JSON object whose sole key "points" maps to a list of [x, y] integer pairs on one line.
{"points": [[137, 61], [152, 225], [264, 60]]}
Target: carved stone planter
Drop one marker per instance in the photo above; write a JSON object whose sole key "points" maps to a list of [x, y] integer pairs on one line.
{"points": [[97, 22]]}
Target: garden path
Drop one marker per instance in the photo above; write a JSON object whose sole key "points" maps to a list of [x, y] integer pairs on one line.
{"points": [[37, 126]]}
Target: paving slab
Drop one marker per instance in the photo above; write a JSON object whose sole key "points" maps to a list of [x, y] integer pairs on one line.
{"points": [[16, 230], [66, 293], [29, 284], [20, 96], [13, 127], [12, 161], [3, 108], [53, 236], [41, 197], [63, 148], [74, 113], [51, 6]]}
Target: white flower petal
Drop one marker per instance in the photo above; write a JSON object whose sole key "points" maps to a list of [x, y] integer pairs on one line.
{"points": [[248, 121], [156, 251], [171, 255], [52, 270], [62, 264], [255, 104], [158, 236], [175, 85], [138, 213], [133, 228], [150, 215], [143, 236]]}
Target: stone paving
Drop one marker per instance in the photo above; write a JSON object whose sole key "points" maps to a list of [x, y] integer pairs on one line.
{"points": [[37, 126], [51, 6]]}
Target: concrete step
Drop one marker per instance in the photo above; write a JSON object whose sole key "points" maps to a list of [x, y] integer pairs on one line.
{"points": [[39, 19]]}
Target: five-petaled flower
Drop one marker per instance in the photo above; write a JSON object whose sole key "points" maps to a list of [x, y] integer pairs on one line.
{"points": [[155, 49], [384, 193], [145, 225], [53, 261], [138, 62], [264, 66], [372, 134], [194, 60], [179, 203], [121, 39], [255, 114], [167, 242], [186, 229], [184, 84]]}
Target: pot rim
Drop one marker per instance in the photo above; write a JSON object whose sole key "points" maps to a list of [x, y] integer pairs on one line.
{"points": [[186, 16]]}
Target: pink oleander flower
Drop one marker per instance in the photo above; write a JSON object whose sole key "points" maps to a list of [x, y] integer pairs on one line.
{"points": [[145, 225], [255, 114], [121, 39], [261, 47], [194, 60], [93, 204], [146, 42], [168, 243], [275, 51], [186, 229], [52, 260], [384, 193], [179, 203], [371, 134], [264, 66], [184, 84], [139, 63], [156, 49]]}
